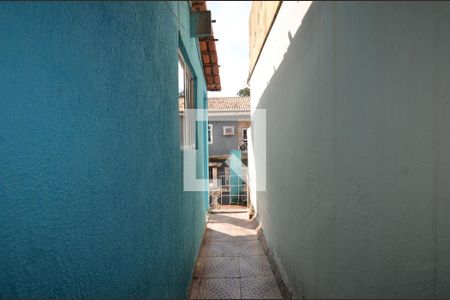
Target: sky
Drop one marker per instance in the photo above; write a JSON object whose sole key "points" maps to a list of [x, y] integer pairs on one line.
{"points": [[231, 28]]}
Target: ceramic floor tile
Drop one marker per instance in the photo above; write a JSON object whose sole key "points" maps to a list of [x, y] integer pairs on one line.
{"points": [[206, 234], [221, 227], [245, 238], [227, 248], [245, 234], [209, 267], [250, 248], [232, 263], [216, 288], [203, 248], [241, 216], [224, 218], [245, 225], [260, 288], [221, 236], [252, 266]]}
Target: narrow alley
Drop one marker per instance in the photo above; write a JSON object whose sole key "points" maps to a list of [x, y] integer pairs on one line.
{"points": [[232, 263], [224, 150]]}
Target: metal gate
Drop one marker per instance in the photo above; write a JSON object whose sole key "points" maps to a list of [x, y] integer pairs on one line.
{"points": [[223, 193]]}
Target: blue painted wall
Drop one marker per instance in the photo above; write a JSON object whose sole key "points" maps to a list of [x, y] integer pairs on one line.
{"points": [[91, 198]]}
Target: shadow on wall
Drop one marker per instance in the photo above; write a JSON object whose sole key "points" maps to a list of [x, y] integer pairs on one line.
{"points": [[358, 152]]}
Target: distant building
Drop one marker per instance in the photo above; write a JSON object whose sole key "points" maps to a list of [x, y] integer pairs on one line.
{"points": [[227, 135], [228, 125]]}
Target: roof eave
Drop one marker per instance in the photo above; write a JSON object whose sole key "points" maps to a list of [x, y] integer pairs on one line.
{"points": [[208, 55]]}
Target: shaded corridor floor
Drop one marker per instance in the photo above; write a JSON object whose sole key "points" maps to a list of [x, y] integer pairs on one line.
{"points": [[232, 263]]}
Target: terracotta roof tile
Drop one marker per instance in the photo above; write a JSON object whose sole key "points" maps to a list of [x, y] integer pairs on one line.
{"points": [[216, 104], [229, 104], [209, 54]]}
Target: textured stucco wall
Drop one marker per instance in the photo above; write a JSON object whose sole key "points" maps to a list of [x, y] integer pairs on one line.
{"points": [[223, 144], [358, 148], [91, 199]]}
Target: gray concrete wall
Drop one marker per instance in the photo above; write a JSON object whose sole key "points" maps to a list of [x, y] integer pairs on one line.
{"points": [[358, 152], [223, 144]]}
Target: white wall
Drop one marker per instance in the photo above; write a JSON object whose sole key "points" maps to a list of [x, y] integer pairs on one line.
{"points": [[270, 58], [358, 148]]}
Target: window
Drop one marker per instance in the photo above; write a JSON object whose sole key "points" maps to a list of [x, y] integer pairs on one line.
{"points": [[228, 130], [186, 91], [210, 133], [244, 136]]}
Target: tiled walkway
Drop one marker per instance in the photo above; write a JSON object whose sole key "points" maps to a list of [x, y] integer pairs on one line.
{"points": [[232, 263]]}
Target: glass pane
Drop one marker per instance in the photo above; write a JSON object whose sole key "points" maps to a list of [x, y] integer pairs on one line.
{"points": [[209, 133], [180, 79]]}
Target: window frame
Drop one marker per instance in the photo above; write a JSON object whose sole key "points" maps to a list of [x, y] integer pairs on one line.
{"points": [[189, 124], [245, 140], [224, 128], [210, 133]]}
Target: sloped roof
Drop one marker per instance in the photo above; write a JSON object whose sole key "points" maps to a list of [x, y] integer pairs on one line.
{"points": [[208, 54], [229, 104], [223, 104]]}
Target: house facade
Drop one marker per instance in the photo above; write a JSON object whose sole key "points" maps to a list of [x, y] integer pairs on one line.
{"points": [[91, 178], [356, 201], [228, 123], [228, 127]]}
